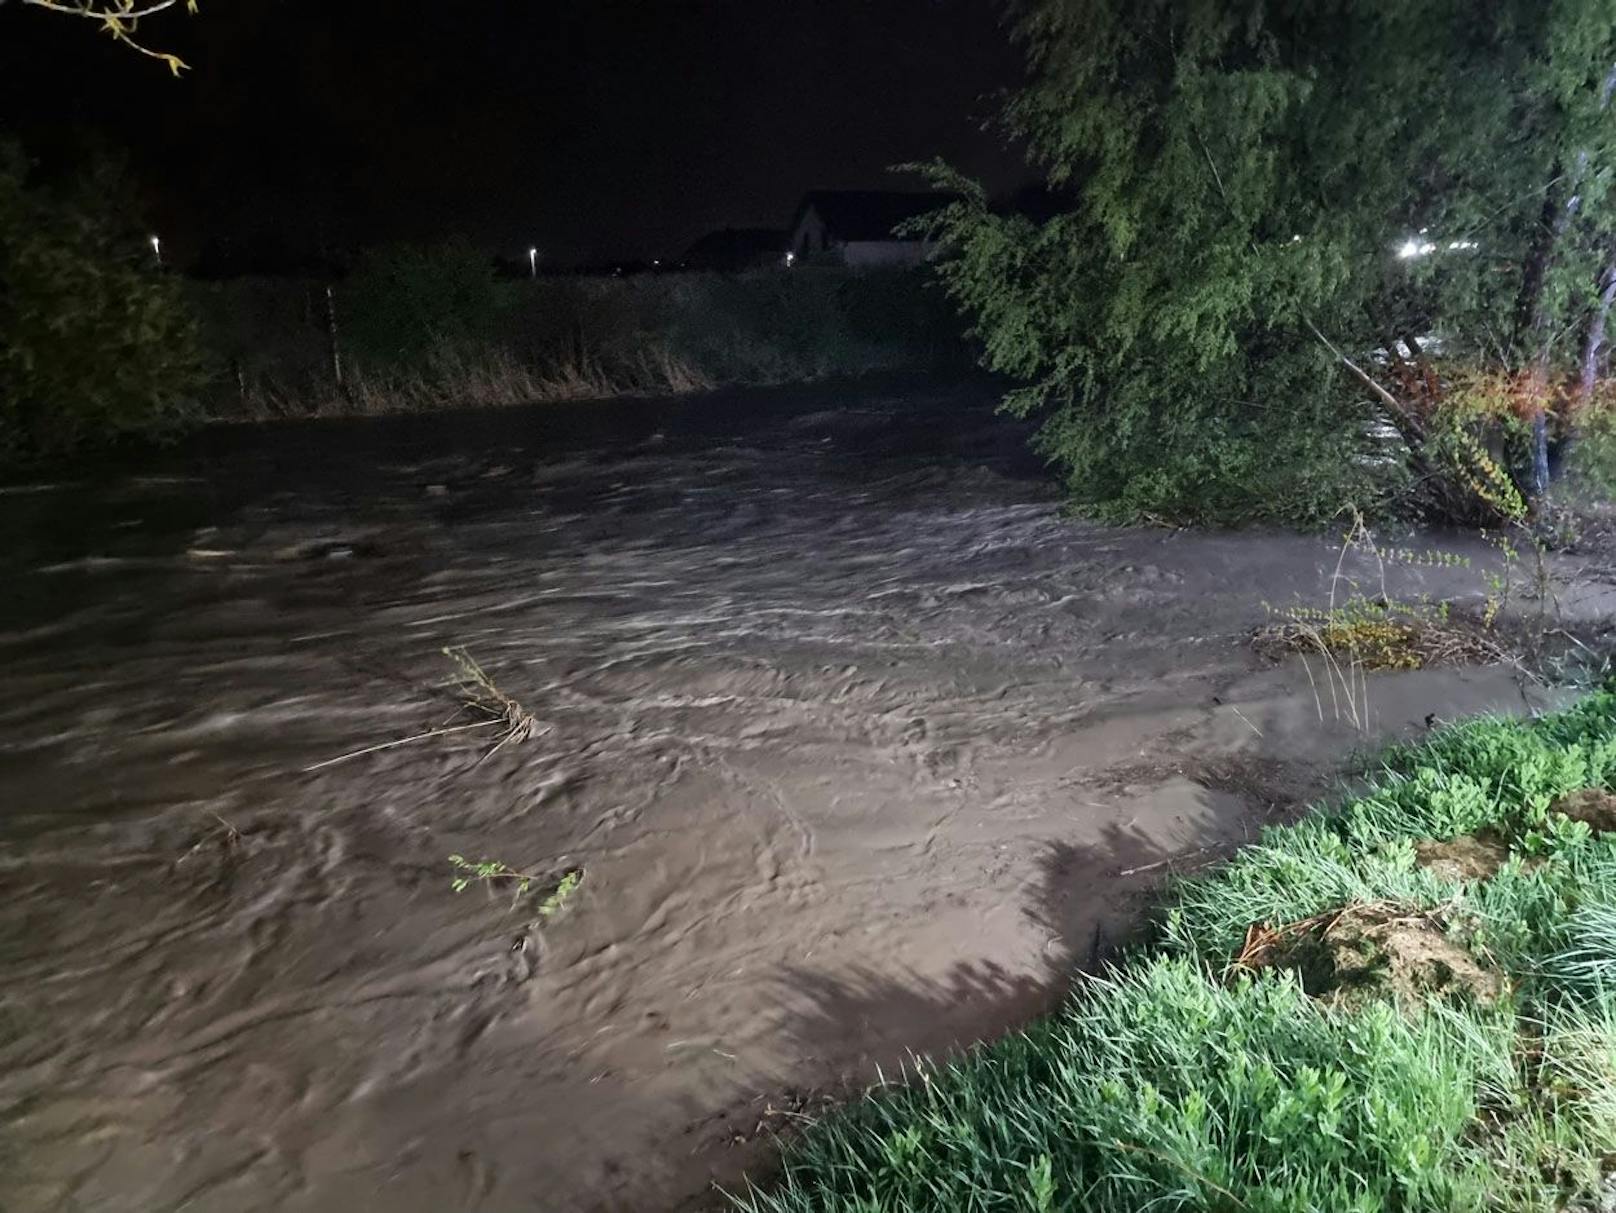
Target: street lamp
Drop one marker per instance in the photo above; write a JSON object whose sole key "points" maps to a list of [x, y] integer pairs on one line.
{"points": [[533, 263], [157, 250]]}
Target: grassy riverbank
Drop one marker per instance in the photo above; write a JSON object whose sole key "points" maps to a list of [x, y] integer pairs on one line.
{"points": [[1406, 1002]]}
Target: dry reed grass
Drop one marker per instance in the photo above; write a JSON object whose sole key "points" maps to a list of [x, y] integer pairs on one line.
{"points": [[477, 693], [492, 378]]}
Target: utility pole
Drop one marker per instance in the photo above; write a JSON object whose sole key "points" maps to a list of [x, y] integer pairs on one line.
{"points": [[331, 336]]}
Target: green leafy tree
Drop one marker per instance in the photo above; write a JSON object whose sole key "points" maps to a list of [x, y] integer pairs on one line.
{"points": [[1289, 225], [95, 342]]}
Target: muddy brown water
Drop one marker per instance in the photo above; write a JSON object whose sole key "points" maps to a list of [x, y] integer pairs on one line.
{"points": [[860, 745]]}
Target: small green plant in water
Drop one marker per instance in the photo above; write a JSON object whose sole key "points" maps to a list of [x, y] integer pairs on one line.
{"points": [[557, 900], [490, 872]]}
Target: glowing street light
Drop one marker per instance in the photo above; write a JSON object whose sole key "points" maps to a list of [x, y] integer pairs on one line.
{"points": [[157, 250], [533, 263]]}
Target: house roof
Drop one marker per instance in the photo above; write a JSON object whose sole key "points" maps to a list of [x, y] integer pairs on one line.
{"points": [[868, 214]]}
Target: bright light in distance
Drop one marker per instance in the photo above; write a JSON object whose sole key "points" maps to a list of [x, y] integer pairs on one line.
{"points": [[1422, 248], [791, 259]]}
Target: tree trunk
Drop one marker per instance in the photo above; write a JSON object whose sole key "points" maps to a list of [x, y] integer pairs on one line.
{"points": [[1532, 332], [1594, 340], [1540, 452], [1530, 317], [331, 338], [1593, 347]]}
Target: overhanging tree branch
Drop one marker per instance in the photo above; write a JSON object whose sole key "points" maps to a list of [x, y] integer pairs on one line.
{"points": [[108, 8], [118, 19], [1357, 372]]}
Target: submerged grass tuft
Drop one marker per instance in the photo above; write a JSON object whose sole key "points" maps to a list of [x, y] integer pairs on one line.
{"points": [[1363, 629], [1200, 1074]]}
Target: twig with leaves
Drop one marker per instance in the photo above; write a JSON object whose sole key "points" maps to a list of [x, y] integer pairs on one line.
{"points": [[490, 872], [118, 19]]}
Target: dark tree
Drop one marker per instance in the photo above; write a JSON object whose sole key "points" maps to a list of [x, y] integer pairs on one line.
{"points": [[1291, 220]]}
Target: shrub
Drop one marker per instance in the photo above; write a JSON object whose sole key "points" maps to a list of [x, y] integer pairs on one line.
{"points": [[95, 343], [405, 302]]}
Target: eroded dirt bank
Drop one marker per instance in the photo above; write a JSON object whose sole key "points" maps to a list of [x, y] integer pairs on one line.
{"points": [[859, 744]]}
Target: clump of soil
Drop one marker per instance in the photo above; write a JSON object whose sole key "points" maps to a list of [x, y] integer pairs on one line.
{"points": [[1595, 806], [1366, 952], [1469, 857]]}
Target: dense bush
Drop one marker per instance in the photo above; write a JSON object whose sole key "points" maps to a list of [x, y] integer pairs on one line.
{"points": [[94, 342]]}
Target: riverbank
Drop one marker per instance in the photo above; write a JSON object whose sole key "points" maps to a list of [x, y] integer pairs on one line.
{"points": [[1405, 1002], [432, 334]]}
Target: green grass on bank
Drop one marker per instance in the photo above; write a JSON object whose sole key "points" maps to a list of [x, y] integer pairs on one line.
{"points": [[1401, 1033]]}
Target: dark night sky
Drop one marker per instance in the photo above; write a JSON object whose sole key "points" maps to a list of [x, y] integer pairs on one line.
{"points": [[593, 128]]}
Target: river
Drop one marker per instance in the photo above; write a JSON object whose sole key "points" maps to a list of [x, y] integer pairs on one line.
{"points": [[859, 745]]}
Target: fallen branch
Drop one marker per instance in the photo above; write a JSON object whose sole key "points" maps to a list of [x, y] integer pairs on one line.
{"points": [[1162, 863]]}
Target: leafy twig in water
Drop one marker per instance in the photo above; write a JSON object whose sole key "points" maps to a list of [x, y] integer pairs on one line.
{"points": [[491, 871]]}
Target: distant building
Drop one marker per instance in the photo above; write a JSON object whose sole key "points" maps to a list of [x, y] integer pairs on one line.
{"points": [[855, 227], [735, 249]]}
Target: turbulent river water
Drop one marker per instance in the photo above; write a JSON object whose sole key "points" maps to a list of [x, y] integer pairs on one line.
{"points": [[859, 745]]}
